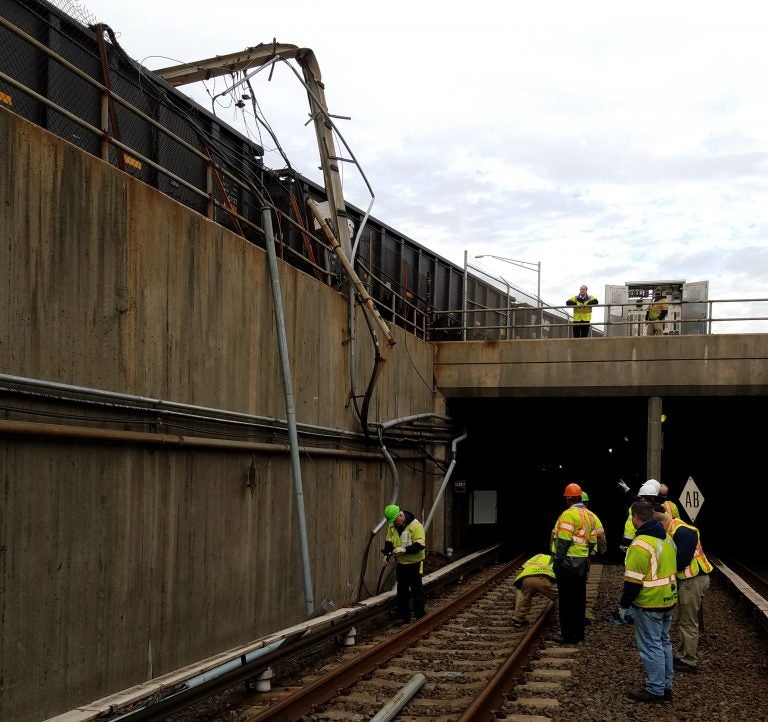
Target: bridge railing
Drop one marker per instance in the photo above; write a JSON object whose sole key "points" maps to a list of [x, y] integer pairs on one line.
{"points": [[519, 321]]}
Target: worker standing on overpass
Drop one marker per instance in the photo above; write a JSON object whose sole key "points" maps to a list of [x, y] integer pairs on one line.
{"points": [[656, 313], [582, 313]]}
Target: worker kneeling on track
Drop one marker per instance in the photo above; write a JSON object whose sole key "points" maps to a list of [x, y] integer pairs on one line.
{"points": [[535, 577]]}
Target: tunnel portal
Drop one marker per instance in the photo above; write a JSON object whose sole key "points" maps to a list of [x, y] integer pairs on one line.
{"points": [[521, 452]]}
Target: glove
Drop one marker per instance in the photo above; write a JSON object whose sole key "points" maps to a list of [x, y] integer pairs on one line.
{"points": [[397, 551], [623, 549], [623, 486], [622, 614]]}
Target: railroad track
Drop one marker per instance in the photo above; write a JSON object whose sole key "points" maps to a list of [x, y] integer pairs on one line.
{"points": [[756, 577], [751, 584], [463, 661]]}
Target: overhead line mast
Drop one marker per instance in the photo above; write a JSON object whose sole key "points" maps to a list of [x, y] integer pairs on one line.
{"points": [[257, 56]]}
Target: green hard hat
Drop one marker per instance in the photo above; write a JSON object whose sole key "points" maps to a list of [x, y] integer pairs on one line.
{"points": [[584, 496], [391, 511]]}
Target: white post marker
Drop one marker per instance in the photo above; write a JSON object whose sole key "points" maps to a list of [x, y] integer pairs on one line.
{"points": [[691, 499]]}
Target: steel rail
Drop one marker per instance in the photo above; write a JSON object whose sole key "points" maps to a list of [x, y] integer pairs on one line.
{"points": [[492, 697], [162, 696], [298, 704]]}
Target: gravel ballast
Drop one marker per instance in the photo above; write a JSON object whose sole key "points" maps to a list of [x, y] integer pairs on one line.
{"points": [[731, 682]]}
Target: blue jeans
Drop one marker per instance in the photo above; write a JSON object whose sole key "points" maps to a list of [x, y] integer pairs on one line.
{"points": [[655, 648]]}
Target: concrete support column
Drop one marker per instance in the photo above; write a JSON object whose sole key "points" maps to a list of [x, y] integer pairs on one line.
{"points": [[654, 441]]}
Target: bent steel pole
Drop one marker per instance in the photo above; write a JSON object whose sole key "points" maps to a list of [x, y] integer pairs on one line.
{"points": [[198, 70], [365, 297], [290, 408]]}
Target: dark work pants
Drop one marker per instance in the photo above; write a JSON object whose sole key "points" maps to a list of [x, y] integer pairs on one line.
{"points": [[409, 582], [572, 591], [580, 329]]}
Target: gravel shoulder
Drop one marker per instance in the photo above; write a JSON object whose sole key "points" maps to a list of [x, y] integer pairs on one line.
{"points": [[731, 683]]}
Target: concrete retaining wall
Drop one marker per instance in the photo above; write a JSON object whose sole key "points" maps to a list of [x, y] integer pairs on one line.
{"points": [[123, 561]]}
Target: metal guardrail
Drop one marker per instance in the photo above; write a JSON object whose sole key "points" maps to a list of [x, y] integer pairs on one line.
{"points": [[685, 318]]}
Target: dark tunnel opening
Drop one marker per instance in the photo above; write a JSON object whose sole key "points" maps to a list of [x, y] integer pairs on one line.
{"points": [[521, 452]]}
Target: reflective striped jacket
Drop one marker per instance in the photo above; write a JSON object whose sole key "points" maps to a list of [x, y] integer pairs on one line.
{"points": [[597, 538], [537, 565], [652, 562], [575, 526], [413, 533], [699, 564]]}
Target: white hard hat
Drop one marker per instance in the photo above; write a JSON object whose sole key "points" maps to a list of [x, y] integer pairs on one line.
{"points": [[650, 488]]}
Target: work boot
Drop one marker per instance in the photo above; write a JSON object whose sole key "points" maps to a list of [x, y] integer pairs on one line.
{"points": [[680, 666], [643, 695]]}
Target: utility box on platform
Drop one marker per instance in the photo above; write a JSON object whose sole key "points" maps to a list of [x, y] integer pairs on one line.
{"points": [[627, 304]]}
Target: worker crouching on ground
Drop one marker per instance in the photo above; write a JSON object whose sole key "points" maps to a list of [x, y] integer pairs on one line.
{"points": [[536, 577], [406, 540], [650, 587], [570, 548]]}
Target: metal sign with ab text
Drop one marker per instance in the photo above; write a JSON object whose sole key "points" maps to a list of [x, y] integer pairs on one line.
{"points": [[691, 499]]}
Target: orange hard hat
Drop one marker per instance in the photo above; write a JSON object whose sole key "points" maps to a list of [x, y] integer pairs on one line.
{"points": [[572, 490]]}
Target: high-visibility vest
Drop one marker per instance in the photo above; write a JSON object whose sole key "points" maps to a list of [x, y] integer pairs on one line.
{"points": [[583, 308], [629, 527], [597, 538], [575, 525], [414, 532], [652, 562], [657, 306], [670, 508], [539, 564], [699, 564]]}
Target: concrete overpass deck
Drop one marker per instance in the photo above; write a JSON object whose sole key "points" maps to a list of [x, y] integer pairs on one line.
{"points": [[712, 365]]}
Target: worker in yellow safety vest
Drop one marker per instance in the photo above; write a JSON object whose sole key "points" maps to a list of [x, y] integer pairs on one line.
{"points": [[582, 312], [650, 588], [693, 569], [406, 540], [535, 577], [649, 491], [598, 544], [570, 548], [656, 313], [670, 508]]}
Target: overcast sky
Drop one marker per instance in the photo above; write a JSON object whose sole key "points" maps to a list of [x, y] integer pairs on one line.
{"points": [[609, 144]]}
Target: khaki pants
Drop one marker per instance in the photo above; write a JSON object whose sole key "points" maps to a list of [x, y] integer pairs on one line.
{"points": [[690, 598], [529, 588]]}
